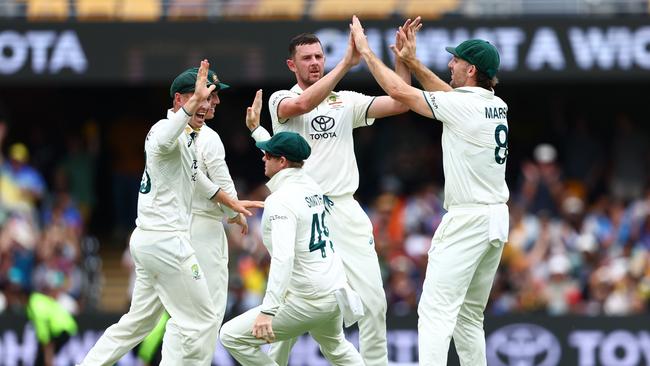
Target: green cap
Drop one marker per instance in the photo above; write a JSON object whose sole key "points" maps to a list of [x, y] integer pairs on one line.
{"points": [[479, 53], [288, 144], [185, 81]]}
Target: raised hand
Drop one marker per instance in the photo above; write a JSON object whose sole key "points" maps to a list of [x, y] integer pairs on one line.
{"points": [[201, 89], [405, 40], [254, 111], [359, 38], [352, 56]]}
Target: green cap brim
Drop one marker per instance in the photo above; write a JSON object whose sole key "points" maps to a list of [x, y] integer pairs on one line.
{"points": [[263, 145], [452, 50], [223, 86]]}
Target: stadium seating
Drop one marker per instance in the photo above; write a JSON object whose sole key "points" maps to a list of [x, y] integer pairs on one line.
{"points": [[428, 9], [140, 10], [187, 9], [238, 9], [343, 9], [47, 9], [279, 9], [96, 9]]}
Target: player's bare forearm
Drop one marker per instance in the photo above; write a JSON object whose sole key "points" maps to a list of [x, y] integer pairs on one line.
{"points": [[403, 71], [314, 95], [236, 205], [426, 77], [392, 83], [395, 87]]}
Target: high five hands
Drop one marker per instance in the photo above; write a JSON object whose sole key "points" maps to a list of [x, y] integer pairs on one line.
{"points": [[253, 112], [405, 38]]}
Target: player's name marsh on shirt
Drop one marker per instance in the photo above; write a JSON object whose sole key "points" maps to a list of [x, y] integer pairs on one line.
{"points": [[474, 144]]}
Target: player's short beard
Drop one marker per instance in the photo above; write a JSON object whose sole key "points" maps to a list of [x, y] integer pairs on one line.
{"points": [[309, 82]]}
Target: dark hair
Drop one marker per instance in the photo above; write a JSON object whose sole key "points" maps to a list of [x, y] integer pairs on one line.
{"points": [[301, 39], [290, 164], [295, 164], [485, 81]]}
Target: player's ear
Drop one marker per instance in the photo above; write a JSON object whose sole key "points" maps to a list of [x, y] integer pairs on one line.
{"points": [[291, 65], [472, 70], [177, 99]]}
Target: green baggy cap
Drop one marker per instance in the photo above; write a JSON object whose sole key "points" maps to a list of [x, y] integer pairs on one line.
{"points": [[479, 53], [185, 81], [288, 144]]}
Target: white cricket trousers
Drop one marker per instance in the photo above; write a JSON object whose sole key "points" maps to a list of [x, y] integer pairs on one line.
{"points": [[351, 232], [462, 264], [167, 276], [208, 238], [320, 317]]}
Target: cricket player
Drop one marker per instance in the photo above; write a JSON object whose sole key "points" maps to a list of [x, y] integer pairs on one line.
{"points": [[326, 120], [306, 287], [207, 234], [467, 246], [168, 274]]}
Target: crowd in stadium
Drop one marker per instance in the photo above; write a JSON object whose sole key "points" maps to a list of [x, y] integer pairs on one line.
{"points": [[579, 234], [45, 202], [570, 250]]}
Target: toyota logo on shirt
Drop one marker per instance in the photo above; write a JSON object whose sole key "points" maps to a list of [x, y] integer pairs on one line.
{"points": [[322, 123], [523, 344]]}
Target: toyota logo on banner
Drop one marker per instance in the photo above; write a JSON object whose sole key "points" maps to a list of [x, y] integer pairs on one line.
{"points": [[322, 123], [523, 345]]}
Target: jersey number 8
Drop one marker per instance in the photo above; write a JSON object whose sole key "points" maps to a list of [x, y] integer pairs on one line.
{"points": [[145, 183], [502, 143]]}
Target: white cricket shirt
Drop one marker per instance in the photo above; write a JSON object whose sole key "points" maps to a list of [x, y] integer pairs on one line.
{"points": [[328, 130], [171, 175], [294, 229], [211, 156], [474, 144]]}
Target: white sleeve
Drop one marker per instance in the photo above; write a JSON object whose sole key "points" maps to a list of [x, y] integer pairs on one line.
{"points": [[446, 106], [260, 134], [274, 104], [214, 158], [361, 104], [165, 136], [283, 240], [204, 185]]}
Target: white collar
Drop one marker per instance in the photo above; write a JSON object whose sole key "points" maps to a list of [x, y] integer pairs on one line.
{"points": [[296, 89], [281, 177], [476, 89]]}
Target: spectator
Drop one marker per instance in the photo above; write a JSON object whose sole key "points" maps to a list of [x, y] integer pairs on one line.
{"points": [[541, 186], [21, 186], [629, 160]]}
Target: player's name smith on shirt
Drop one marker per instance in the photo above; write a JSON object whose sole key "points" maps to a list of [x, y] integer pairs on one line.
{"points": [[496, 112], [315, 200]]}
